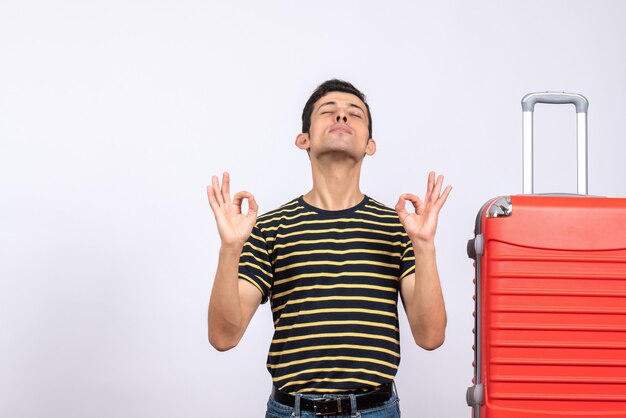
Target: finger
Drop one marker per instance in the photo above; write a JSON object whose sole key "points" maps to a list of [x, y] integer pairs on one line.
{"points": [[238, 200], [444, 196], [253, 207], [437, 189], [414, 199], [210, 192], [401, 207], [216, 186], [226, 187], [431, 183]]}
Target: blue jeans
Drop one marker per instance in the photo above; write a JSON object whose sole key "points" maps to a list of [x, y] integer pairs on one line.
{"points": [[389, 409]]}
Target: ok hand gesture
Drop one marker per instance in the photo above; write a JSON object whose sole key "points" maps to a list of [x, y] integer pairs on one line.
{"points": [[422, 224], [233, 226]]}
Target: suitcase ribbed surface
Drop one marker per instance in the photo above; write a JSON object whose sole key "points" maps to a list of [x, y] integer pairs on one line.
{"points": [[553, 286]]}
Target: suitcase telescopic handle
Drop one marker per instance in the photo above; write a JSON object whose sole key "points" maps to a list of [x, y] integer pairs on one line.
{"points": [[528, 107]]}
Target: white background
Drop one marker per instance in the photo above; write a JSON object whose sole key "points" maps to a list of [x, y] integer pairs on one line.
{"points": [[114, 114]]}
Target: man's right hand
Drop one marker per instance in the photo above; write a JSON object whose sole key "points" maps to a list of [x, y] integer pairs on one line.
{"points": [[233, 226]]}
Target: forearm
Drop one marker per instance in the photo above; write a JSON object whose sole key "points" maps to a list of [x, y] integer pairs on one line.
{"points": [[427, 312], [225, 317], [421, 294]]}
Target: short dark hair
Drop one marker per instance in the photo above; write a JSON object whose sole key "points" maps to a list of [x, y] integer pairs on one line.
{"points": [[328, 87]]}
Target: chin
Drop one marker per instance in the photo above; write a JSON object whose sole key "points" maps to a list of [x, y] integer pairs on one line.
{"points": [[340, 154]]}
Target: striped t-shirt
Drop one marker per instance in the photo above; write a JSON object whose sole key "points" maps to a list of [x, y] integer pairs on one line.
{"points": [[332, 278]]}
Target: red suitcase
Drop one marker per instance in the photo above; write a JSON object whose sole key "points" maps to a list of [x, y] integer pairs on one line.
{"points": [[550, 302]]}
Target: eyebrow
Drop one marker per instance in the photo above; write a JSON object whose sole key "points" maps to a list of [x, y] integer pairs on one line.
{"points": [[334, 103]]}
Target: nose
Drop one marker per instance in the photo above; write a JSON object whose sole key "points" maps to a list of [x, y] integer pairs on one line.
{"points": [[342, 117]]}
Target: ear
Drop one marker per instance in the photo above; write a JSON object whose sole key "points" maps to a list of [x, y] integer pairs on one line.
{"points": [[371, 147], [302, 141]]}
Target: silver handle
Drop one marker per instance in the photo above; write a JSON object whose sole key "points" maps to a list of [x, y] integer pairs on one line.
{"points": [[528, 107], [529, 101]]}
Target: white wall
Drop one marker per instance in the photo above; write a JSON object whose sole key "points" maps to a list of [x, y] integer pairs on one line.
{"points": [[114, 114]]}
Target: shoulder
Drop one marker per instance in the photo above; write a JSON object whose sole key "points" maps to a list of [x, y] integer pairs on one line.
{"points": [[289, 209], [375, 208], [381, 217]]}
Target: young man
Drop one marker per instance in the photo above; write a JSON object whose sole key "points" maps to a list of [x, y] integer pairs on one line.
{"points": [[332, 263]]}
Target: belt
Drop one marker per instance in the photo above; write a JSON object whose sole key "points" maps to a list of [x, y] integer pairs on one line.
{"points": [[338, 405]]}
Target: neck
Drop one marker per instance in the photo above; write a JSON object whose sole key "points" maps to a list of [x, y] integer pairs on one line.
{"points": [[335, 185]]}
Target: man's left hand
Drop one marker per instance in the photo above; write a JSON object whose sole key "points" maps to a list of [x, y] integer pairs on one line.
{"points": [[422, 224]]}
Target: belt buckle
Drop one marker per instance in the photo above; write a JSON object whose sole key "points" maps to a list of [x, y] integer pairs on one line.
{"points": [[327, 406]]}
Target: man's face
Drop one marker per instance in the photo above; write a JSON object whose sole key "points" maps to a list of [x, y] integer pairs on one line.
{"points": [[339, 124]]}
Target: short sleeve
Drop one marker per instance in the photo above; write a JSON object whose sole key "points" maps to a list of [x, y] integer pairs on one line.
{"points": [[254, 264], [407, 258]]}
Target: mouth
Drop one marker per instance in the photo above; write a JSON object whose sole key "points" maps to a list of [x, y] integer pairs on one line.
{"points": [[341, 127]]}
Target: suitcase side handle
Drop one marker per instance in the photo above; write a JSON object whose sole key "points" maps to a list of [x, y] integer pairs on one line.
{"points": [[528, 107]]}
